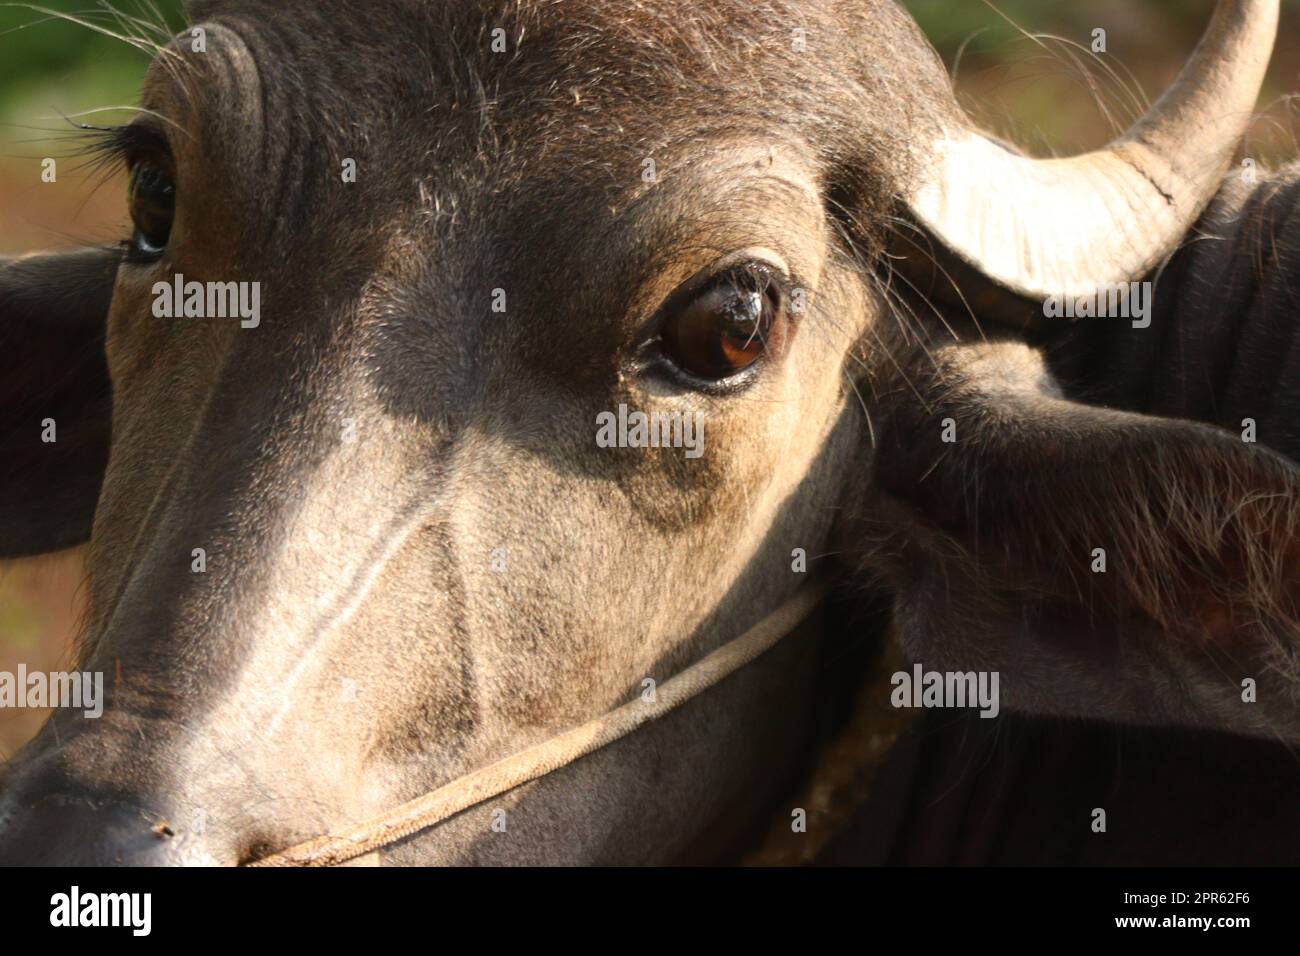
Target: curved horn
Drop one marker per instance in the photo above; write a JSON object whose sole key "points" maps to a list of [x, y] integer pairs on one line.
{"points": [[1044, 227]]}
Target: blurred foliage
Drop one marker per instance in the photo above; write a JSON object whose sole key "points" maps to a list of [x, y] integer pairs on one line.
{"points": [[20, 624], [48, 64], [1025, 68], [949, 23]]}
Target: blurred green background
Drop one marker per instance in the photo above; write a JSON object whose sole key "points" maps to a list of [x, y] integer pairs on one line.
{"points": [[1048, 95], [48, 64]]}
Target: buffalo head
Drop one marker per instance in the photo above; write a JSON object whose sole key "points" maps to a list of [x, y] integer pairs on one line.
{"points": [[360, 422]]}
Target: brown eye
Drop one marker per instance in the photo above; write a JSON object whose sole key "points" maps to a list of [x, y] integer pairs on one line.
{"points": [[151, 197], [727, 327]]}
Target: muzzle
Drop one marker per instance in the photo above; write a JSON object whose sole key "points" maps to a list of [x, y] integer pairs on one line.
{"points": [[434, 807]]}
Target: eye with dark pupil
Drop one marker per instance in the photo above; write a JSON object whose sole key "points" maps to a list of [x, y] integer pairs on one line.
{"points": [[151, 197], [726, 328]]}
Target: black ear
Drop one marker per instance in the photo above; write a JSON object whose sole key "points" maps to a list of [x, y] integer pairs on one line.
{"points": [[55, 400], [1106, 564]]}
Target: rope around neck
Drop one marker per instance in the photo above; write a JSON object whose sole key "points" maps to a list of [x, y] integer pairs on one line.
{"points": [[497, 778]]}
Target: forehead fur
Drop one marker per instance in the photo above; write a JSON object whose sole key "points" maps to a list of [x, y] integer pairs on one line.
{"points": [[585, 80]]}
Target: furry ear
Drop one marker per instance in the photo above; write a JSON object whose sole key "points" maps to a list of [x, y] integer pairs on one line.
{"points": [[55, 400], [1106, 564]]}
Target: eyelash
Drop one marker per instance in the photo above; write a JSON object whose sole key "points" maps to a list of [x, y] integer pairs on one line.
{"points": [[110, 149]]}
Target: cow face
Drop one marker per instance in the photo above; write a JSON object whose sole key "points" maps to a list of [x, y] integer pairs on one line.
{"points": [[457, 392]]}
